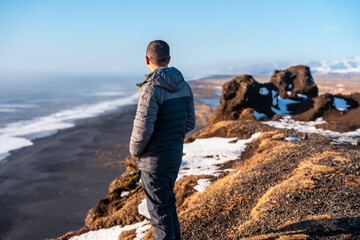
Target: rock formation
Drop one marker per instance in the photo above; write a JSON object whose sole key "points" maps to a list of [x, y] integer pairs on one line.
{"points": [[341, 113], [290, 92], [245, 92], [295, 82]]}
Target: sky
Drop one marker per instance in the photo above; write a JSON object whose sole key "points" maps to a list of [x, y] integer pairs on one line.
{"points": [[110, 37]]}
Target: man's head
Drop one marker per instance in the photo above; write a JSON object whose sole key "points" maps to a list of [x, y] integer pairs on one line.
{"points": [[157, 54]]}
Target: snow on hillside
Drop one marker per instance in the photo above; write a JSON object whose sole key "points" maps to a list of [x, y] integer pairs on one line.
{"points": [[203, 156], [310, 127], [114, 232]]}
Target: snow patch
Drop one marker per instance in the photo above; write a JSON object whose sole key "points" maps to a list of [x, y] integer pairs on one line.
{"points": [[309, 127], [291, 139], [302, 96], [340, 104], [282, 109], [203, 156], [124, 193], [274, 97], [202, 184], [140, 231], [264, 91], [259, 115], [114, 232], [143, 210]]}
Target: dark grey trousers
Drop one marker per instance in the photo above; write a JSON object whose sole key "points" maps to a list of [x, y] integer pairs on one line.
{"points": [[160, 200]]}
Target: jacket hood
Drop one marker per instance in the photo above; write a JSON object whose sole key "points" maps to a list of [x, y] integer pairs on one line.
{"points": [[168, 78]]}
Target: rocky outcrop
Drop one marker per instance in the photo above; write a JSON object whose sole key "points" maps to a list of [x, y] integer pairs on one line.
{"points": [[340, 112], [295, 82], [120, 190], [290, 92], [243, 96], [245, 92]]}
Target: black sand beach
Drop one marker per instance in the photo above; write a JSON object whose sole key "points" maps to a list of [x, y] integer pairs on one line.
{"points": [[47, 189]]}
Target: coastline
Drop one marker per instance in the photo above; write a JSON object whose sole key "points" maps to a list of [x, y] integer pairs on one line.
{"points": [[43, 196], [93, 157], [35, 179]]}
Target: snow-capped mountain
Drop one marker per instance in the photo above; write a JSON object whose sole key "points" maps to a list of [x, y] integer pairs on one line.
{"points": [[344, 67]]}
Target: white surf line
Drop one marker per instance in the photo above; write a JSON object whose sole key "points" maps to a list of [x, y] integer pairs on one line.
{"points": [[309, 127], [20, 134]]}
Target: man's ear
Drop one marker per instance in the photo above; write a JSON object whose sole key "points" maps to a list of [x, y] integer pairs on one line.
{"points": [[169, 59], [147, 60]]}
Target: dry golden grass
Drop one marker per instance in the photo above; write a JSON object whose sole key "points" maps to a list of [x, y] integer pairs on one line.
{"points": [[229, 128], [223, 196], [247, 115], [127, 213], [150, 235], [299, 180], [290, 235], [218, 129], [265, 146], [276, 193], [208, 200], [127, 235], [185, 188]]}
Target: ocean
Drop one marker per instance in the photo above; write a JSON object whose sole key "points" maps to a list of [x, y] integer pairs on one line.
{"points": [[38, 105]]}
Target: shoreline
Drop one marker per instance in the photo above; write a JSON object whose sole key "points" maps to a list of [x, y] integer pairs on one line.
{"points": [[35, 179], [95, 149]]}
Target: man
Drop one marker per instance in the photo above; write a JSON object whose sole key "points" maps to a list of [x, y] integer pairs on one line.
{"points": [[165, 113]]}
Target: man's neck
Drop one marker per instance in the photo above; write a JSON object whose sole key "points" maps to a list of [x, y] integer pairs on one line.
{"points": [[154, 67]]}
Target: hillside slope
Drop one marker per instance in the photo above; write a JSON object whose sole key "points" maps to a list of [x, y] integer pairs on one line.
{"points": [[302, 189]]}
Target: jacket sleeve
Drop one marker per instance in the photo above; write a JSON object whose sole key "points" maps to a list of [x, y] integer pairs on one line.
{"points": [[190, 123], [145, 118]]}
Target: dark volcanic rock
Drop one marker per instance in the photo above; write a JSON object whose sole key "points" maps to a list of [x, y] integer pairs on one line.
{"points": [[295, 82], [291, 92], [245, 92], [338, 119]]}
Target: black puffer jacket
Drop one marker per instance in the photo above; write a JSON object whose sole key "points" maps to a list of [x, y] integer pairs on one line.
{"points": [[165, 113]]}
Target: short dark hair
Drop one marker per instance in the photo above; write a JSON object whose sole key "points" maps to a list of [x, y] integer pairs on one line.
{"points": [[158, 52]]}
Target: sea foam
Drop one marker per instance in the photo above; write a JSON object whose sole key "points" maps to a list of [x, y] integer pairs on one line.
{"points": [[19, 134]]}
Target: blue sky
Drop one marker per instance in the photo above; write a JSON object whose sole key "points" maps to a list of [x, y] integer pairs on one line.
{"points": [[205, 36]]}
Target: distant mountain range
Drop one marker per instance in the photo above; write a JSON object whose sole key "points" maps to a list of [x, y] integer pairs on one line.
{"points": [[346, 66], [349, 67]]}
